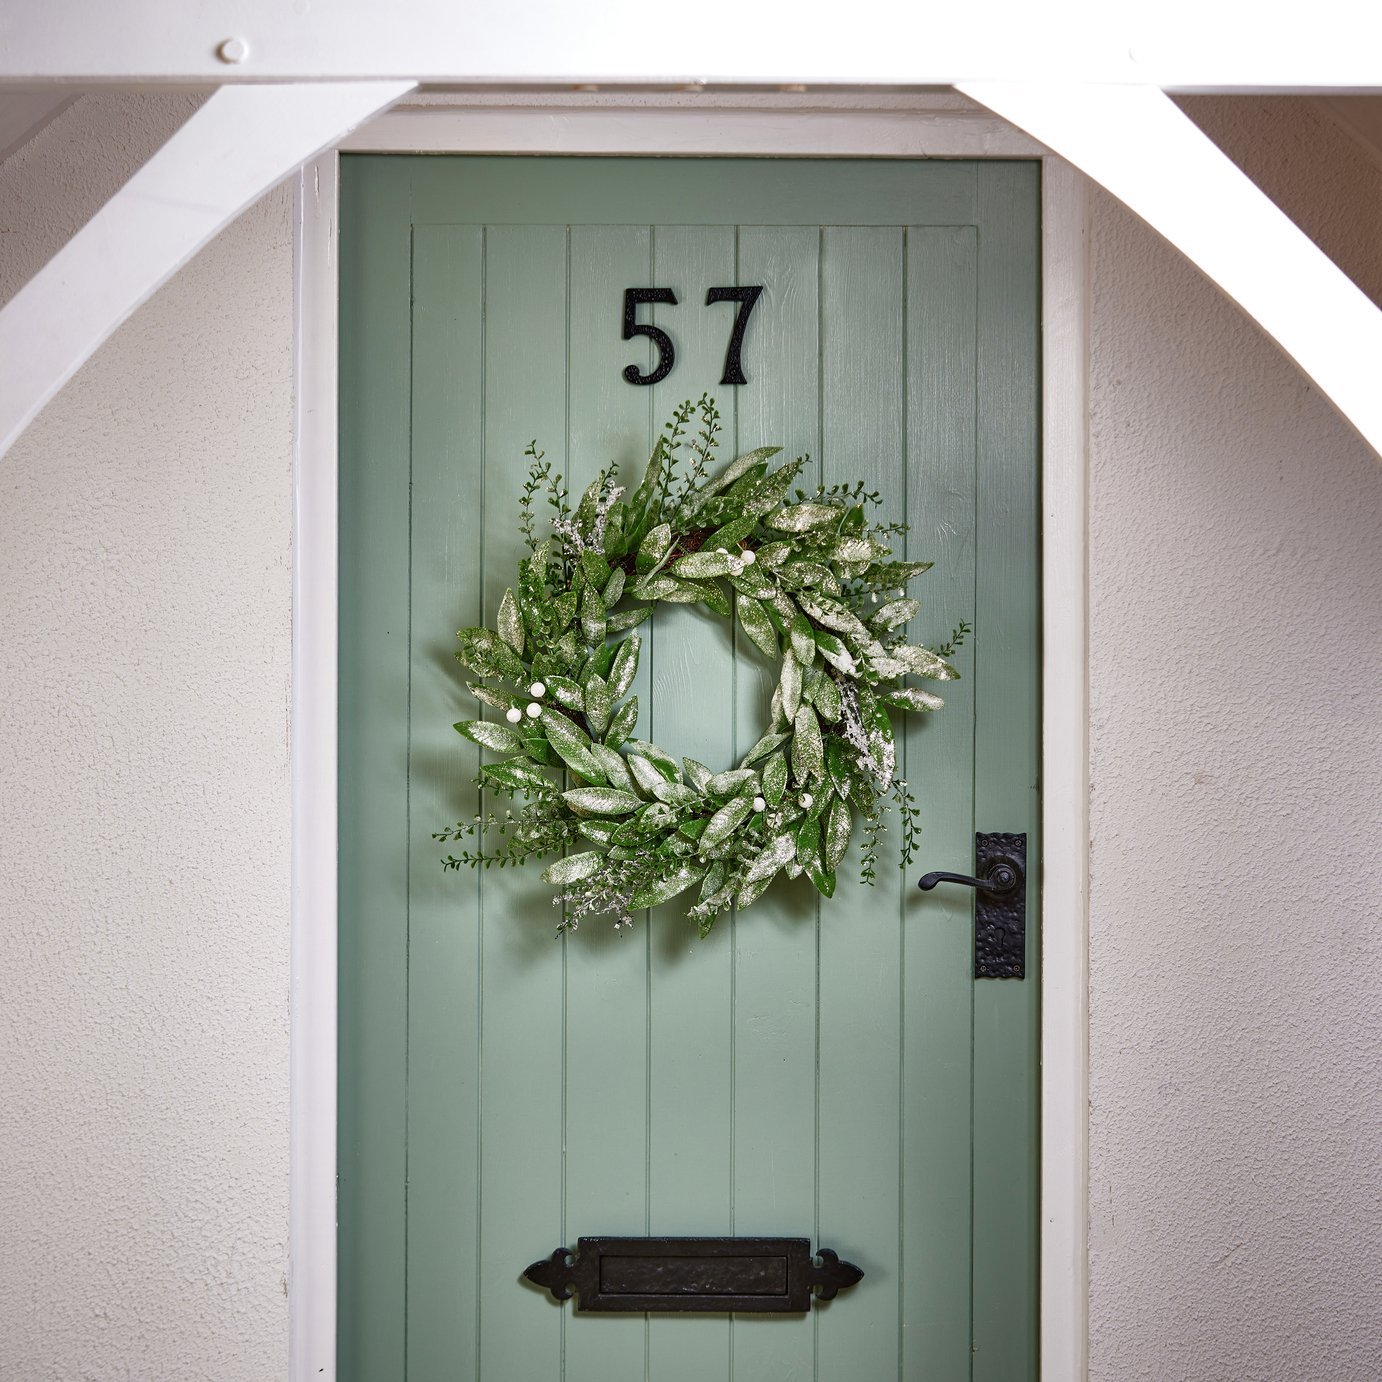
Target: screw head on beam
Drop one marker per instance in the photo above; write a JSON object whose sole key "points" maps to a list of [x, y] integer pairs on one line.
{"points": [[233, 50]]}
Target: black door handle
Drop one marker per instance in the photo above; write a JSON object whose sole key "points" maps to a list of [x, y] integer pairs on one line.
{"points": [[1000, 909], [1002, 878]]}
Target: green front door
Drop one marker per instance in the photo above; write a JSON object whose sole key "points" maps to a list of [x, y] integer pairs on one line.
{"points": [[829, 1070]]}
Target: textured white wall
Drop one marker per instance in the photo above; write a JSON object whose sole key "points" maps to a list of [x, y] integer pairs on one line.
{"points": [[1236, 765], [144, 805]]}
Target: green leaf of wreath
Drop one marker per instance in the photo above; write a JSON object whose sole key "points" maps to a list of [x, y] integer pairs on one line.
{"points": [[511, 622], [775, 778], [664, 889], [732, 783], [894, 614], [777, 855], [700, 565], [625, 666], [922, 662], [664, 761], [499, 738], [756, 624], [808, 754], [725, 821], [600, 801], [485, 653], [574, 867], [571, 744], [654, 549], [764, 747], [790, 685], [799, 518], [622, 723], [837, 832], [911, 698], [736, 468]]}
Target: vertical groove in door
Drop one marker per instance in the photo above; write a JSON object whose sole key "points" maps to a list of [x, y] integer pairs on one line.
{"points": [[904, 767], [975, 658], [732, 920], [480, 877], [820, 462], [565, 956], [650, 709], [408, 812]]}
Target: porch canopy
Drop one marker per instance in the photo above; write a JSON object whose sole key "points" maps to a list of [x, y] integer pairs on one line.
{"points": [[291, 82]]}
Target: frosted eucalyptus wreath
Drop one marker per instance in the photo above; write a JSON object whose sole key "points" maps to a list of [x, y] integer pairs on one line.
{"points": [[812, 583]]}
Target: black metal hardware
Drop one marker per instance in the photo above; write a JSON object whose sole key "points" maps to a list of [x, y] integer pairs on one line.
{"points": [[1000, 904], [634, 298], [745, 297], [758, 1275]]}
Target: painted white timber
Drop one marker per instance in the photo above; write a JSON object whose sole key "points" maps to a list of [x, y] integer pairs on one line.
{"points": [[1065, 867], [541, 41], [24, 113], [1064, 777], [1168, 44], [312, 982], [1138, 145], [237, 146]]}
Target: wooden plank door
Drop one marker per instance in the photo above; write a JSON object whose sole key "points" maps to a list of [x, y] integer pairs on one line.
{"points": [[823, 1069]]}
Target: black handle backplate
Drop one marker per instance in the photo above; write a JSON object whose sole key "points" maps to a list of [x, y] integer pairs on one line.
{"points": [[1000, 918]]}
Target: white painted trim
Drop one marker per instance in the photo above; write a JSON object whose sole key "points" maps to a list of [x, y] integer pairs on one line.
{"points": [[760, 125], [1065, 671], [312, 1059], [241, 142], [1065, 777], [1144, 150]]}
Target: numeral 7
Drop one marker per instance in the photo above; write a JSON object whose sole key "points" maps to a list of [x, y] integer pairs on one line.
{"points": [[746, 298]]}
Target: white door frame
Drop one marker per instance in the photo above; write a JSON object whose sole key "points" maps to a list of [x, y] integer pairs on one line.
{"points": [[866, 125]]}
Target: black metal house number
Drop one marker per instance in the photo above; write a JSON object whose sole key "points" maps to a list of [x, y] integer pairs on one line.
{"points": [[634, 298]]}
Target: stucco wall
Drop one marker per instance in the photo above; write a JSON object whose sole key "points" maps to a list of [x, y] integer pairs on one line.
{"points": [[1236, 765], [144, 806], [1236, 943]]}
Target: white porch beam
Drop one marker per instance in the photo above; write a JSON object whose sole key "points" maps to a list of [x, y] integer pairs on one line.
{"points": [[1166, 43], [1138, 145], [242, 142]]}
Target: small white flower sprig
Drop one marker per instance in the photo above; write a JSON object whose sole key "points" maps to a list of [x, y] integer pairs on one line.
{"points": [[812, 584]]}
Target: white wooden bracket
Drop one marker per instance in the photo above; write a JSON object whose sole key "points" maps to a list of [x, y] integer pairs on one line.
{"points": [[240, 143], [1137, 144]]}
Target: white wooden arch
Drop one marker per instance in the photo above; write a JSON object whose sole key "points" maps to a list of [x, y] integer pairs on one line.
{"points": [[240, 143], [1131, 139]]}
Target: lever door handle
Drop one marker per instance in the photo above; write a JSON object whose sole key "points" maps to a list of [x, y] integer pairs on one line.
{"points": [[1002, 878], [1000, 907]]}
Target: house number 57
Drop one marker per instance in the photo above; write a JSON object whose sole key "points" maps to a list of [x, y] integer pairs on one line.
{"points": [[634, 298]]}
